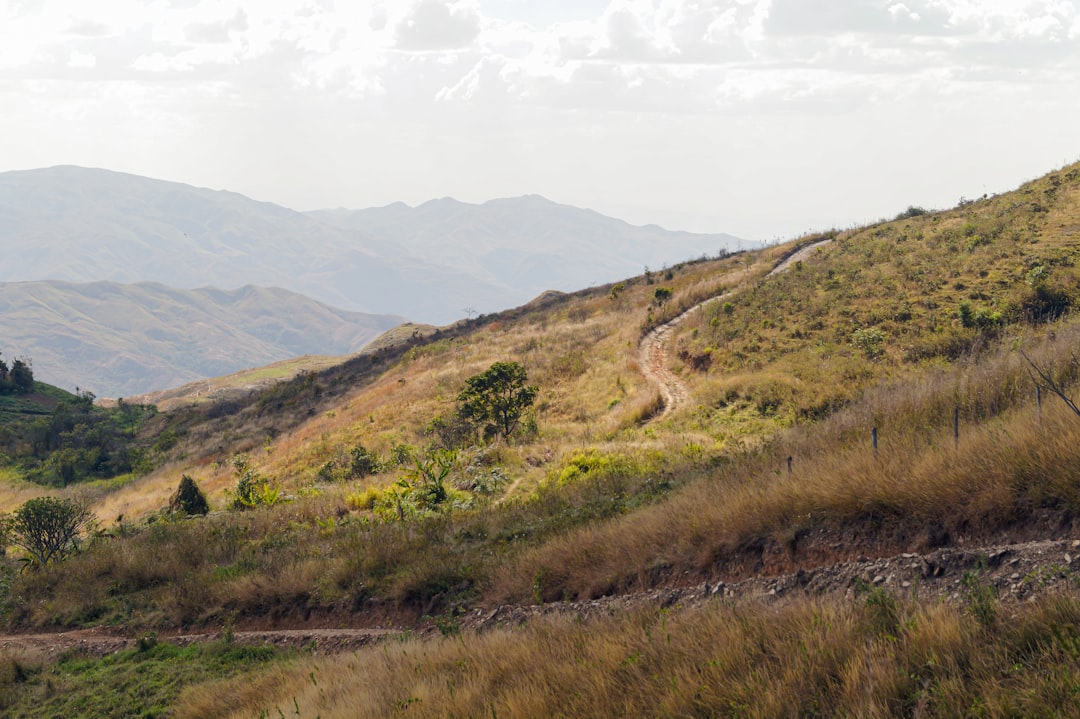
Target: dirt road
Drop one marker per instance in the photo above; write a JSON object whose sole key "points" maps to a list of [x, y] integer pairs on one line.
{"points": [[652, 352]]}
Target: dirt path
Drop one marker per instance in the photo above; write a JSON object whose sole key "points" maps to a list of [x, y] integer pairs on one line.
{"points": [[652, 352], [1016, 573], [99, 642]]}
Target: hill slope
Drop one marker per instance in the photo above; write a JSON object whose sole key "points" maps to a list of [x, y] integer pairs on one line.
{"points": [[836, 574], [120, 340]]}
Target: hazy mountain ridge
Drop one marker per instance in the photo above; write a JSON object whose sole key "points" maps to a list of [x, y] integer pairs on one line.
{"points": [[85, 225], [528, 242], [119, 340], [426, 263]]}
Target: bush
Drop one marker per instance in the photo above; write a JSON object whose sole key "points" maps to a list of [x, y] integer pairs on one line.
{"points": [[252, 489], [48, 528], [870, 341], [188, 498]]}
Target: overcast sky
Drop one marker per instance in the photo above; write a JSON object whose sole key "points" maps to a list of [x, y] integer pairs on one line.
{"points": [[763, 118]]}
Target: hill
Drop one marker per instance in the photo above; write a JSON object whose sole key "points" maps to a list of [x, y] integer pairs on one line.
{"points": [[84, 225], [121, 340], [862, 500]]}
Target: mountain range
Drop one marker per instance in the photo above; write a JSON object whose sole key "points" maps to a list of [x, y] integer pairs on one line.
{"points": [[427, 263]]}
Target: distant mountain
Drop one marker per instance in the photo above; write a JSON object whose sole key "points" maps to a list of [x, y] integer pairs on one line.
{"points": [[121, 340], [427, 263], [85, 225], [529, 243]]}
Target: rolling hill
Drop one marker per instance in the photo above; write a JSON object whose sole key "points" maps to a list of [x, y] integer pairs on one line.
{"points": [[862, 501], [120, 340]]}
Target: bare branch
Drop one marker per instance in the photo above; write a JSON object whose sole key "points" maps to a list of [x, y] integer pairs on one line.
{"points": [[1045, 378]]}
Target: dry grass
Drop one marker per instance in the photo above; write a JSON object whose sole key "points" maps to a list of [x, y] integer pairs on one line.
{"points": [[1009, 463], [871, 656]]}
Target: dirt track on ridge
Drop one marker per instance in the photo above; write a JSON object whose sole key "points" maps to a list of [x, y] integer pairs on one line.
{"points": [[652, 352]]}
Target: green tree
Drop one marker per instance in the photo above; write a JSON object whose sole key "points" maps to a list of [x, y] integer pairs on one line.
{"points": [[48, 527], [498, 397], [22, 376]]}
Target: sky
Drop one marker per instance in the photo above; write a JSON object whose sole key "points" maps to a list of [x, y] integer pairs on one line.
{"points": [[761, 118]]}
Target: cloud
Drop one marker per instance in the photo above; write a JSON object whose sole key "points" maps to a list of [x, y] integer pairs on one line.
{"points": [[81, 60], [217, 31], [438, 25]]}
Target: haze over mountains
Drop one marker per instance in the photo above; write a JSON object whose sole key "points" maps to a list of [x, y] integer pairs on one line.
{"points": [[120, 340], [65, 226], [426, 263]]}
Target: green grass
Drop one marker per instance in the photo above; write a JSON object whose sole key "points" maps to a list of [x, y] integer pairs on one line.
{"points": [[128, 684]]}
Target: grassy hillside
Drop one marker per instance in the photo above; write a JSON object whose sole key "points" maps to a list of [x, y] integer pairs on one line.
{"points": [[909, 330], [119, 340]]}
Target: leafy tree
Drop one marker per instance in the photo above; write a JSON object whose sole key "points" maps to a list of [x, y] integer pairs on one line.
{"points": [[48, 527], [189, 499], [497, 396], [19, 379], [22, 376]]}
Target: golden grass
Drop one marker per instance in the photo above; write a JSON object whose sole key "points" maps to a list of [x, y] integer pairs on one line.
{"points": [[870, 656], [1010, 462]]}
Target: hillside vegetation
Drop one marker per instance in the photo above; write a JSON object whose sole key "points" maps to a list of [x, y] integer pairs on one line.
{"points": [[876, 398]]}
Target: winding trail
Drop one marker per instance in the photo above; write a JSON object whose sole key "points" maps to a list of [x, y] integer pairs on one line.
{"points": [[652, 352]]}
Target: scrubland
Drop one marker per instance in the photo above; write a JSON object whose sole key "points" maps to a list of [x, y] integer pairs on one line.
{"points": [[926, 331]]}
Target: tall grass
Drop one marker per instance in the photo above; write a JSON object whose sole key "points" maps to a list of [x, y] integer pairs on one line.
{"points": [[875, 655], [1010, 464]]}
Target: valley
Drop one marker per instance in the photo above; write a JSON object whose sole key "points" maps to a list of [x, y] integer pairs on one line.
{"points": [[826, 477]]}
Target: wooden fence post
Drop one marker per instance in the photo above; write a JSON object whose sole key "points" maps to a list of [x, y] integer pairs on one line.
{"points": [[956, 427], [873, 438]]}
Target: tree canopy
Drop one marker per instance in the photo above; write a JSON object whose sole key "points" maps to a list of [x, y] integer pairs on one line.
{"points": [[497, 397], [48, 527], [18, 379]]}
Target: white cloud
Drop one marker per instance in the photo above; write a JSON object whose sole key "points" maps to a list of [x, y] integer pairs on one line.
{"points": [[387, 83], [438, 25], [81, 59]]}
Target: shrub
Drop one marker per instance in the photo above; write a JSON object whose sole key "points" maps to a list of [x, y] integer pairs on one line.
{"points": [[252, 489], [188, 498], [363, 462], [870, 341], [48, 528]]}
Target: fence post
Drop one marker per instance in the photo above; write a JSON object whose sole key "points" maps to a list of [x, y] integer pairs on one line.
{"points": [[956, 427], [873, 438], [789, 466]]}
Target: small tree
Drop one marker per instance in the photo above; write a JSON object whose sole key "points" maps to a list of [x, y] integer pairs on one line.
{"points": [[188, 498], [48, 528], [498, 397], [22, 376]]}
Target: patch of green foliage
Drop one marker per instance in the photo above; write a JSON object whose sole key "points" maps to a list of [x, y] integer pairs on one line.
{"points": [[141, 682], [56, 439], [497, 398]]}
